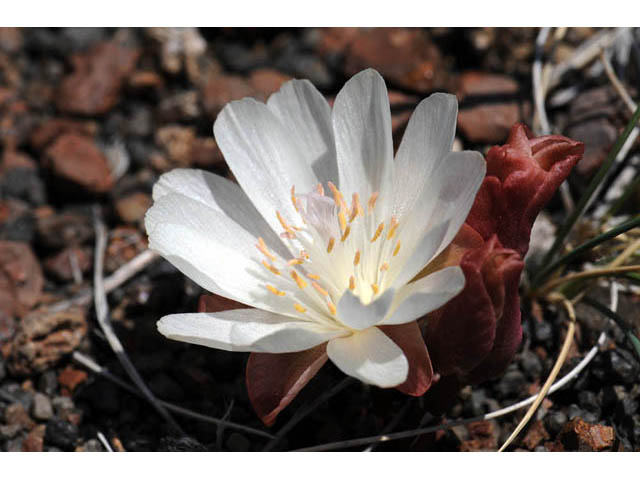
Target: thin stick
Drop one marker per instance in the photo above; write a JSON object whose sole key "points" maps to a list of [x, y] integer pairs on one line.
{"points": [[538, 91], [552, 376], [392, 424], [102, 314], [303, 412], [105, 442], [89, 363], [617, 84], [117, 278], [594, 272]]}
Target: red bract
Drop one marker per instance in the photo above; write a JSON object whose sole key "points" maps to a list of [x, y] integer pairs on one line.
{"points": [[522, 176], [475, 335]]}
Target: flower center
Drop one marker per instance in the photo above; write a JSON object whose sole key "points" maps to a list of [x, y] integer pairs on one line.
{"points": [[337, 247]]}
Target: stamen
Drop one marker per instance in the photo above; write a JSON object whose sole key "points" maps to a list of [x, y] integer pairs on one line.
{"points": [[304, 254], [346, 233], [275, 291], [337, 196], [332, 242], [372, 200], [356, 259], [299, 307], [342, 219], [313, 276], [378, 232], [397, 249], [298, 279], [320, 290], [284, 224], [265, 251], [293, 198], [320, 189], [392, 227], [375, 288], [270, 267], [332, 307], [352, 282], [295, 261], [356, 209], [384, 267]]}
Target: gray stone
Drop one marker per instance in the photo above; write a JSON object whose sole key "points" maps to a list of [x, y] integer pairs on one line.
{"points": [[42, 408]]}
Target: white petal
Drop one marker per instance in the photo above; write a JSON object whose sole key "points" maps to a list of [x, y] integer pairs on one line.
{"points": [[370, 356], [263, 158], [425, 295], [212, 250], [221, 195], [306, 114], [353, 313], [362, 128], [244, 330], [404, 268], [427, 140]]}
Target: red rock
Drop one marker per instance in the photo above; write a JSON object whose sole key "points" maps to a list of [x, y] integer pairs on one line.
{"points": [[11, 39], [53, 128], [61, 265], [334, 40], [77, 159], [13, 159], [15, 122], [578, 435], [132, 207], [490, 120], [267, 81], [403, 56], [35, 440], [483, 437], [535, 435], [219, 89], [183, 148], [69, 378], [21, 278], [43, 338], [95, 84], [146, 80]]}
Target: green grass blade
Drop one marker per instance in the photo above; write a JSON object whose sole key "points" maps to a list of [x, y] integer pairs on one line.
{"points": [[586, 196], [603, 237]]}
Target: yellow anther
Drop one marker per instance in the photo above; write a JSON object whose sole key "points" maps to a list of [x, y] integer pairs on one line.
{"points": [[356, 259], [372, 200], [332, 242], [293, 198], [352, 282], [299, 307], [319, 189], [295, 261], [375, 288], [332, 308], [337, 196], [397, 249], [346, 233], [284, 224], [320, 290], [270, 267], [313, 276], [298, 279], [342, 218], [356, 209], [275, 291], [384, 267], [378, 232], [265, 251], [393, 226], [304, 254]]}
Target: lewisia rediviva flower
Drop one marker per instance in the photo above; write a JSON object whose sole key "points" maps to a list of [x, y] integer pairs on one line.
{"points": [[327, 233]]}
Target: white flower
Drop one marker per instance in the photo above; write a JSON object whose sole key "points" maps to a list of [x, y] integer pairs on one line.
{"points": [[319, 261]]}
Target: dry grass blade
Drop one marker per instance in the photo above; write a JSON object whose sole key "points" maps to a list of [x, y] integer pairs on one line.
{"points": [[594, 272], [552, 376], [102, 314]]}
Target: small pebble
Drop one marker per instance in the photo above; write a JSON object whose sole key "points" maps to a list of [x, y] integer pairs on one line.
{"points": [[554, 421], [61, 434], [531, 364], [48, 383], [42, 408]]}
